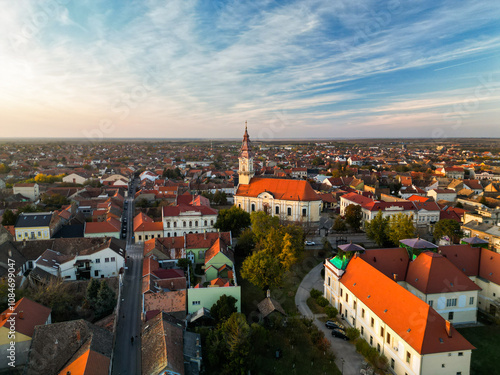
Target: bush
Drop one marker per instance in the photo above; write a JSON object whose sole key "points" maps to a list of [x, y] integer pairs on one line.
{"points": [[370, 353], [314, 293], [322, 301], [331, 312], [352, 333]]}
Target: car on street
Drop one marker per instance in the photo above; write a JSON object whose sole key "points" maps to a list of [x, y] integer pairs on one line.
{"points": [[310, 243], [333, 325], [340, 334]]}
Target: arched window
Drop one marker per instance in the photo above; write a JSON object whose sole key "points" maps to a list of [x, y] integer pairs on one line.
{"points": [[289, 211], [253, 207], [277, 210], [184, 224], [196, 223], [168, 224], [211, 222], [205, 223], [175, 224], [190, 223]]}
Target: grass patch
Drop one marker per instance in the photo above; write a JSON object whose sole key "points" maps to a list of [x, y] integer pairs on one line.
{"points": [[487, 341], [315, 308]]}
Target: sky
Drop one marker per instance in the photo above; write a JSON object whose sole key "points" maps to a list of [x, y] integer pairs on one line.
{"points": [[314, 69]]}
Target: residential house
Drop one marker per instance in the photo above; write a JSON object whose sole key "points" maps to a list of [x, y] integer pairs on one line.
{"points": [[109, 228], [34, 226], [182, 219], [18, 325], [28, 190], [146, 228], [76, 178], [72, 347], [442, 195], [487, 232]]}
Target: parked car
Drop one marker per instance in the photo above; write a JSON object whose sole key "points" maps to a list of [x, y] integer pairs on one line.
{"points": [[340, 334], [332, 325], [310, 243]]}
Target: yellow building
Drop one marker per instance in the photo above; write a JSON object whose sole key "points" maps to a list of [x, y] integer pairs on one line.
{"points": [[33, 226]]}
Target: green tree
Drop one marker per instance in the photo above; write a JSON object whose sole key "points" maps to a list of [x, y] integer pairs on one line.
{"points": [[245, 243], [236, 333], [93, 291], [223, 308], [353, 216], [9, 218], [220, 198], [263, 270], [400, 227], [106, 300], [262, 223], [233, 219], [449, 228], [55, 295], [376, 230], [339, 225]]}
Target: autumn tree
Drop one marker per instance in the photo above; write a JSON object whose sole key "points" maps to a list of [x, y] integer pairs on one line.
{"points": [[339, 225], [353, 216], [262, 269], [400, 227], [376, 229]]}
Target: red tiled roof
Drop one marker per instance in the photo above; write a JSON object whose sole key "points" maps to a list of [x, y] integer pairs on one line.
{"points": [[464, 257], [377, 206], [418, 198], [428, 206], [489, 266], [177, 210], [433, 273], [284, 189], [411, 318], [109, 226], [357, 198], [218, 247], [390, 262], [34, 314]]}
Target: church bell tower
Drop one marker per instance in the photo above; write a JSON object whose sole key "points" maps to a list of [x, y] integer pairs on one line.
{"points": [[245, 170]]}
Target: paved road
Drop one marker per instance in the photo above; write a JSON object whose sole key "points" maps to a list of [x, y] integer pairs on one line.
{"points": [[127, 355], [353, 361]]}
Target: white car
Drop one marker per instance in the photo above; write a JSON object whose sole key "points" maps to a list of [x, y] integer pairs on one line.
{"points": [[310, 243]]}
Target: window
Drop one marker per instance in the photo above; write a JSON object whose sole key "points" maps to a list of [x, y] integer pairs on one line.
{"points": [[205, 223], [106, 260], [304, 212], [184, 224], [371, 340], [450, 315], [362, 330], [196, 302], [408, 357], [431, 302], [140, 237], [388, 338], [98, 260], [341, 291], [112, 259], [196, 223], [460, 354], [175, 224], [277, 210], [328, 280], [289, 211], [362, 313], [393, 363], [451, 302], [96, 273], [347, 297], [39, 234], [382, 331], [168, 224], [346, 314], [372, 323], [378, 348], [19, 235], [354, 305], [253, 207], [442, 365], [471, 300], [190, 223]]}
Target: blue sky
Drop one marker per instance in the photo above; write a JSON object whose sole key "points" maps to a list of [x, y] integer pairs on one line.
{"points": [[292, 69]]}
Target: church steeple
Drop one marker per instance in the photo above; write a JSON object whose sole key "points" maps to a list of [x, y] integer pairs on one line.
{"points": [[245, 170]]}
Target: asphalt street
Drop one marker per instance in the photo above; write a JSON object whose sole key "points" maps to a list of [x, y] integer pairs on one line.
{"points": [[127, 354]]}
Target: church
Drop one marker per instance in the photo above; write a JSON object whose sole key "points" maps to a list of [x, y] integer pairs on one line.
{"points": [[291, 200]]}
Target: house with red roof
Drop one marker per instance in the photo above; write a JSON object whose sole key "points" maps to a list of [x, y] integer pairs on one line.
{"points": [[185, 218], [413, 336], [290, 199], [146, 228], [18, 325], [109, 228]]}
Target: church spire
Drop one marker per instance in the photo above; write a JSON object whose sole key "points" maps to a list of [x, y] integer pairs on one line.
{"points": [[245, 170], [246, 149]]}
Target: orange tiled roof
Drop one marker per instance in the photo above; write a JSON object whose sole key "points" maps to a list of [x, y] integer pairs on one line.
{"points": [[34, 314], [433, 273], [109, 226], [292, 190], [218, 247], [89, 363], [411, 318], [464, 257], [390, 262], [489, 266]]}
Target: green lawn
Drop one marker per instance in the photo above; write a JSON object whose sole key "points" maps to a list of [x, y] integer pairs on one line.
{"points": [[487, 341]]}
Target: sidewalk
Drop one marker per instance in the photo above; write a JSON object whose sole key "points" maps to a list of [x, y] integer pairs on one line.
{"points": [[353, 361]]}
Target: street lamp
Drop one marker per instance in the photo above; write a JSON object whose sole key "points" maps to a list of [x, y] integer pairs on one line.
{"points": [[342, 359]]}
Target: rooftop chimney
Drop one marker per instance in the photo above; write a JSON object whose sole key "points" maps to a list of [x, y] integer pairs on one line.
{"points": [[395, 276], [448, 328], [268, 295]]}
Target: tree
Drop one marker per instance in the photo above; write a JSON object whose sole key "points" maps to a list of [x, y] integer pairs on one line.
{"points": [[246, 242], [289, 255], [262, 223], [223, 308], [9, 218], [339, 225], [459, 205], [400, 227], [233, 219], [184, 263], [55, 295], [220, 198], [236, 333], [106, 300], [449, 228], [263, 270], [93, 291], [376, 230], [353, 216]]}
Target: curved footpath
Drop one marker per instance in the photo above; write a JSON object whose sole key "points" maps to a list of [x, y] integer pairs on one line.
{"points": [[353, 361]]}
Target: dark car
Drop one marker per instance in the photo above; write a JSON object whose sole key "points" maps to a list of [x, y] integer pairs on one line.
{"points": [[340, 334], [331, 324]]}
